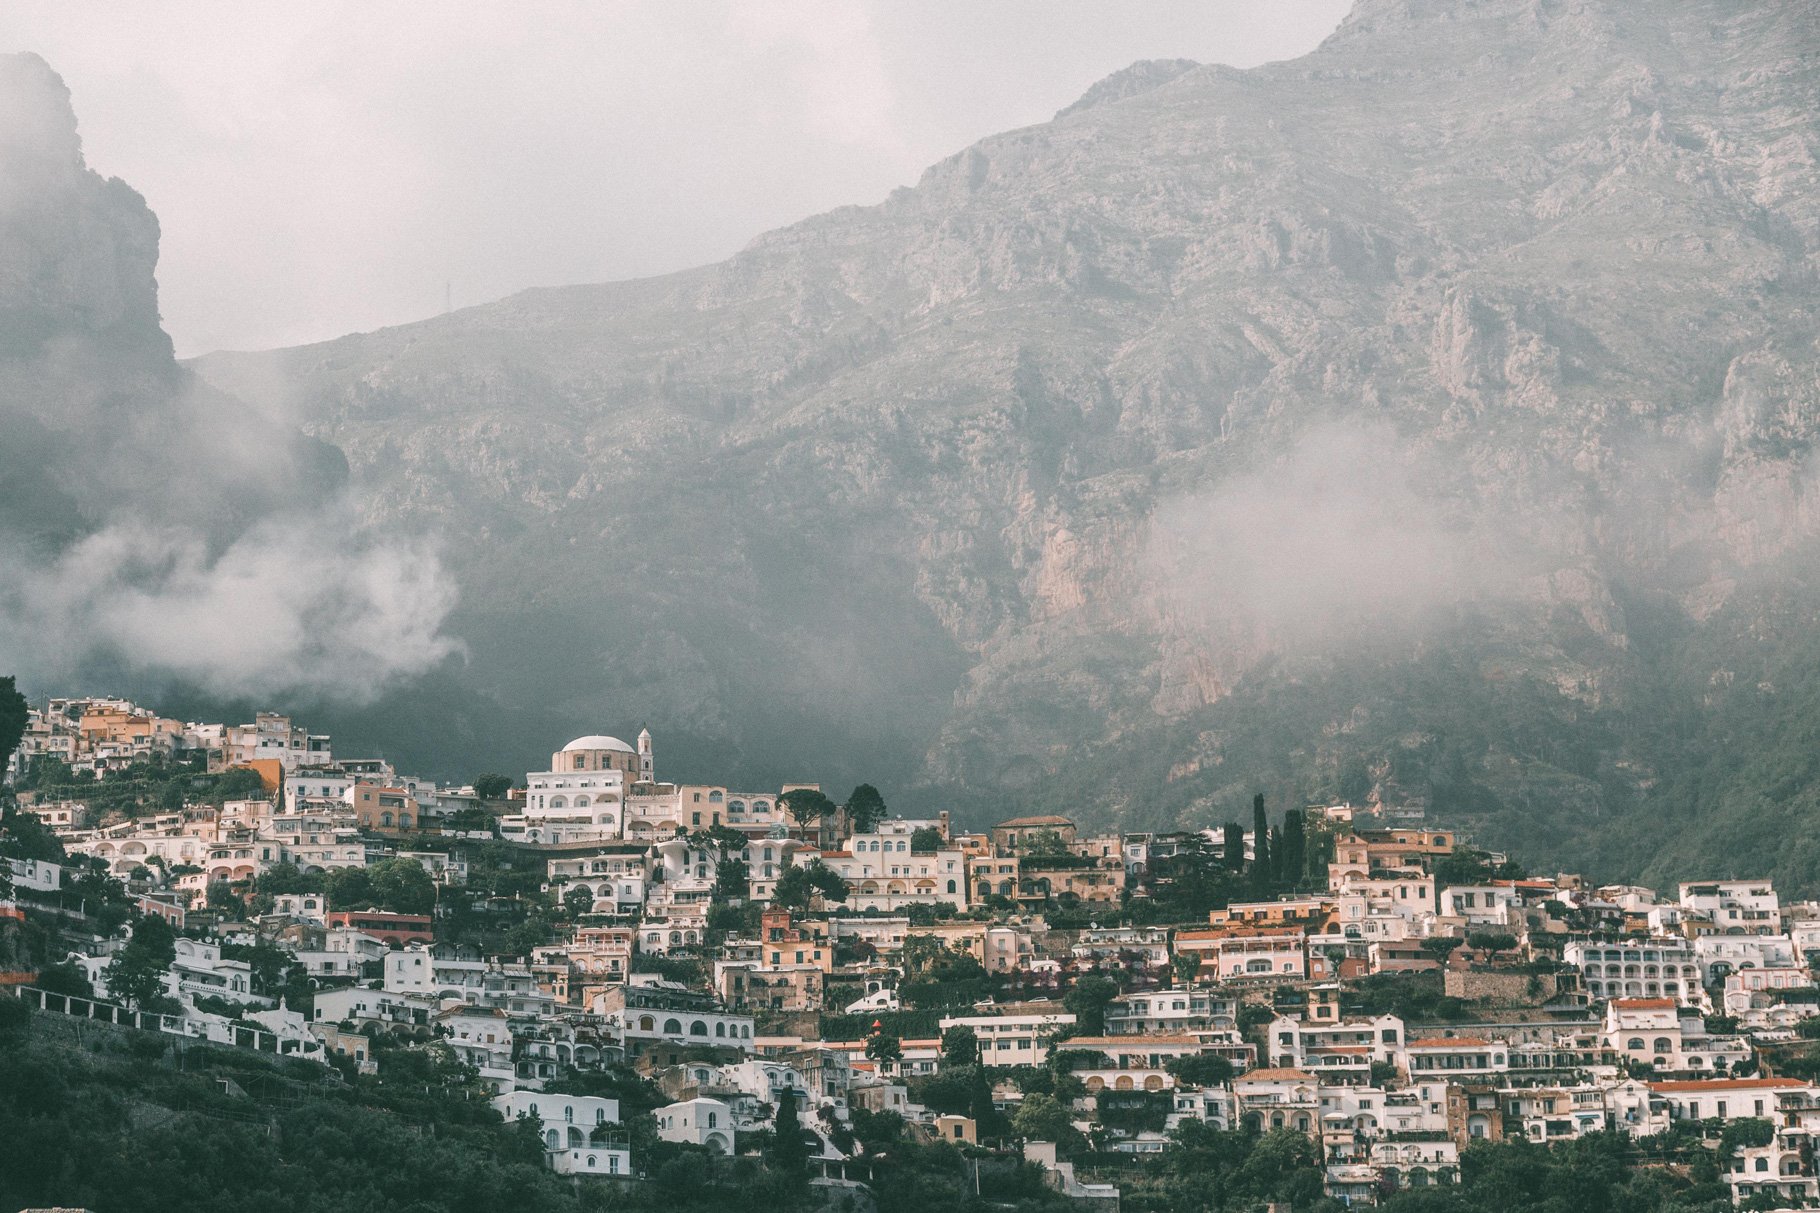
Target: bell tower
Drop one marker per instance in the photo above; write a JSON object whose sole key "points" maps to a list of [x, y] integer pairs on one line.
{"points": [[647, 763]]}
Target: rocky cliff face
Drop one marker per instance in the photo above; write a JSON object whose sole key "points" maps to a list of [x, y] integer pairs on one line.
{"points": [[1403, 416], [152, 528]]}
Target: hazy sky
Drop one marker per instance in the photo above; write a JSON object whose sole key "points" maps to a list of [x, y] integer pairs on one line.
{"points": [[324, 167]]}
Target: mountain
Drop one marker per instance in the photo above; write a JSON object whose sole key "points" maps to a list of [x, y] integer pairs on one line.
{"points": [[151, 527], [1430, 416]]}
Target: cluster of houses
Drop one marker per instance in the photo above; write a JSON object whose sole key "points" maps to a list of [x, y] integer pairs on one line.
{"points": [[1571, 1009]]}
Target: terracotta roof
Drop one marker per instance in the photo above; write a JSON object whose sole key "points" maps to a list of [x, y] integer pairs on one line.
{"points": [[1450, 1042], [1725, 1084], [1046, 819], [1279, 1074], [1645, 1004]]}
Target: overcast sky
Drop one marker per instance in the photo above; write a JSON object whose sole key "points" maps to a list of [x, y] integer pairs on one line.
{"points": [[320, 168]]}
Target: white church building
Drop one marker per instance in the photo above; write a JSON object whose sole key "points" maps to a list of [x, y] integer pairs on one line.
{"points": [[582, 797]]}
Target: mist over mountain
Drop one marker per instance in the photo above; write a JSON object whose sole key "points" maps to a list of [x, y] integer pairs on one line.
{"points": [[152, 529], [1431, 417]]}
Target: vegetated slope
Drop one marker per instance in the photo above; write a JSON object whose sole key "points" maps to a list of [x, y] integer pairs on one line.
{"points": [[1430, 414]]}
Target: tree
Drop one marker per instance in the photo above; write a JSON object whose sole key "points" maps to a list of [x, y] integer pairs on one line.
{"points": [[732, 879], [578, 901], [64, 978], [789, 1152], [1260, 836], [724, 840], [1042, 1118], [802, 883], [865, 808], [136, 974], [1201, 1069], [960, 1046], [1294, 858], [349, 889], [492, 786], [471, 821], [806, 806], [402, 886], [926, 840], [14, 713], [877, 1130], [1088, 1001], [883, 1047], [1187, 966], [1233, 846], [223, 900], [1440, 947], [282, 878], [830, 885]]}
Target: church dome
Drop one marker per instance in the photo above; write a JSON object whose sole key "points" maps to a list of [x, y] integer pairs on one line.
{"points": [[598, 741]]}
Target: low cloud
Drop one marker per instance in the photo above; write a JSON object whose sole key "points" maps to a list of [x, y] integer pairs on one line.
{"points": [[297, 602], [149, 524], [1343, 541]]}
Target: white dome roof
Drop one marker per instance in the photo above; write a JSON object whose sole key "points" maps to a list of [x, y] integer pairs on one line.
{"points": [[598, 741]]}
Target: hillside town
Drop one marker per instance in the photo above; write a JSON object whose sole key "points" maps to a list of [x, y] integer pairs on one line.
{"points": [[759, 959]]}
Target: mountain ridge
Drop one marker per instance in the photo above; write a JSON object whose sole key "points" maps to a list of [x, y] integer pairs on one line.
{"points": [[987, 480]]}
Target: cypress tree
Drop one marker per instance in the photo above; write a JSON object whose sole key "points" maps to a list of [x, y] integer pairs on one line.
{"points": [[1235, 846], [1295, 848], [1260, 834], [789, 1153]]}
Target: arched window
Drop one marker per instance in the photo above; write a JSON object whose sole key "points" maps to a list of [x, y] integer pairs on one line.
{"points": [[552, 1140], [698, 1028], [673, 1026], [1634, 1043], [713, 1120], [1664, 1045], [590, 1160], [385, 820], [647, 1024], [951, 886], [720, 1029], [404, 821]]}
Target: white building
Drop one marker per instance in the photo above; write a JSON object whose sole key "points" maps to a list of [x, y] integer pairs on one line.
{"points": [[883, 873], [1651, 968], [583, 795], [698, 1122], [1011, 1040], [581, 1133], [1735, 907], [36, 874]]}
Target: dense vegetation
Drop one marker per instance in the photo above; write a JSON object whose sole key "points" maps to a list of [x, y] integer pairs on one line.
{"points": [[118, 1125]]}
